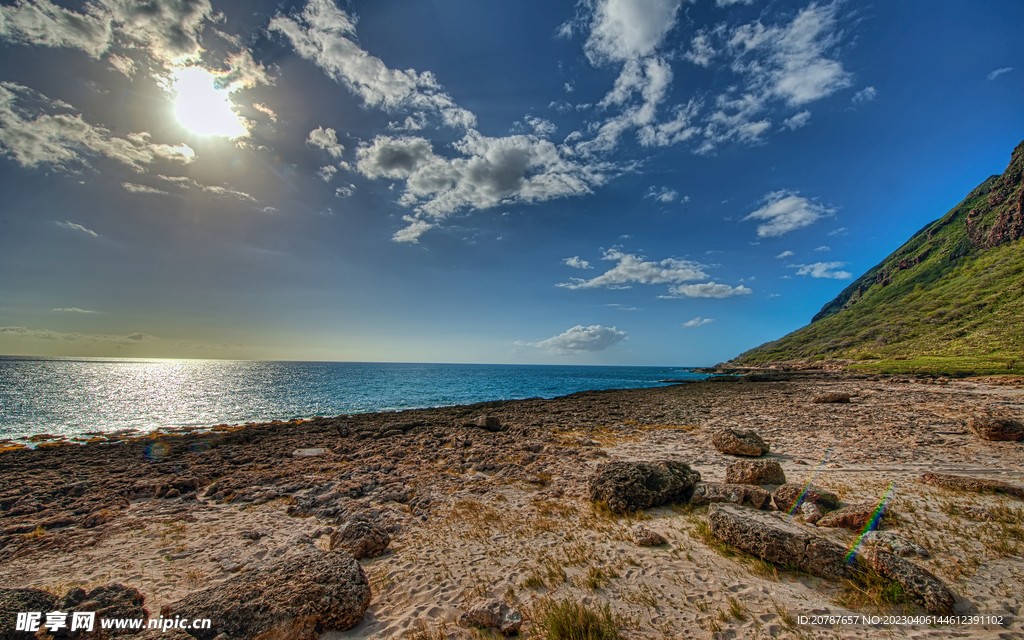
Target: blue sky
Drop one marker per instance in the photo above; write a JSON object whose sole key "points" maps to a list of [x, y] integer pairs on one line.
{"points": [[601, 182]]}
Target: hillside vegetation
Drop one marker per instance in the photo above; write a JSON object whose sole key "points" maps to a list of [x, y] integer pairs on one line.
{"points": [[951, 298]]}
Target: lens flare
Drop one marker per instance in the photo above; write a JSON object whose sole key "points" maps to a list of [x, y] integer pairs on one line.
{"points": [[156, 451], [872, 523], [803, 494]]}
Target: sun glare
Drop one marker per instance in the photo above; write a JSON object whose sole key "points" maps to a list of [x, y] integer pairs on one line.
{"points": [[202, 107]]}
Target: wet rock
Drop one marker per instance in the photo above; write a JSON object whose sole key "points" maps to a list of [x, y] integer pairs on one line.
{"points": [[644, 537], [772, 539], [361, 539], [832, 398], [293, 598], [738, 442], [15, 601], [632, 486], [711, 492], [918, 582], [755, 472], [998, 429], [490, 423], [492, 614], [978, 485], [791, 493], [854, 516]]}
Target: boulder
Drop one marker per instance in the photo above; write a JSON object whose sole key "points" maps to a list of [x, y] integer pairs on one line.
{"points": [[632, 486], [994, 428], [832, 398], [918, 582], [977, 485], [644, 537], [738, 442], [492, 614], [770, 538], [791, 493], [293, 598], [710, 492], [490, 423], [755, 472], [854, 516], [15, 601], [893, 543], [361, 539], [811, 512]]}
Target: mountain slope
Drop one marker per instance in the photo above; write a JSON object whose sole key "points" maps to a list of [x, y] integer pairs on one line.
{"points": [[955, 289]]}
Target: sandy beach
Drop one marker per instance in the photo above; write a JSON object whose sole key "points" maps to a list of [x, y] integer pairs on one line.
{"points": [[506, 514]]}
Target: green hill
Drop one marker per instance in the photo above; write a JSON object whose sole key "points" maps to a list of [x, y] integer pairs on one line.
{"points": [[950, 299]]}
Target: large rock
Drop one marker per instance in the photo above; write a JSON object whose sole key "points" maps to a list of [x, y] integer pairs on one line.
{"points": [[918, 582], [711, 492], [755, 472], [738, 442], [770, 538], [361, 539], [791, 494], [294, 598], [854, 516], [977, 485], [110, 601], [994, 428], [15, 601], [632, 486], [492, 614]]}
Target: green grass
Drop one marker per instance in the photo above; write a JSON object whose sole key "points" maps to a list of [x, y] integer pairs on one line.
{"points": [[570, 620]]}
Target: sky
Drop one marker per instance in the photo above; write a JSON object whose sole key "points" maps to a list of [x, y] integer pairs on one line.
{"points": [[619, 182]]}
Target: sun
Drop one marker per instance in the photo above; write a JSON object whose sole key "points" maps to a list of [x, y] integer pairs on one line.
{"points": [[202, 106]]}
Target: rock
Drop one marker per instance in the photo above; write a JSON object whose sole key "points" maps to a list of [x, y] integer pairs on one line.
{"points": [[644, 537], [918, 582], [633, 486], [110, 601], [832, 398], [293, 598], [307, 453], [772, 539], [251, 535], [15, 601], [998, 429], [492, 614], [362, 539], [755, 472], [739, 443], [791, 493], [490, 423], [811, 512], [710, 492], [854, 516], [977, 485], [895, 544]]}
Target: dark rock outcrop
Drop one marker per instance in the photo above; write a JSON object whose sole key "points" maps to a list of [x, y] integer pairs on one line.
{"points": [[997, 429], [294, 598], [832, 398], [755, 472], [110, 601], [361, 539], [632, 486], [15, 601], [739, 442], [796, 494]]}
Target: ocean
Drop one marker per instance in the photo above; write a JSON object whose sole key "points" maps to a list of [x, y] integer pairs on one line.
{"points": [[75, 396]]}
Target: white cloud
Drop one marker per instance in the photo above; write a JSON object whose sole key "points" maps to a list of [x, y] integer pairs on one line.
{"points": [[998, 72], [73, 310], [344, 191], [67, 224], [786, 211], [327, 172], [326, 139], [324, 34], [785, 254], [841, 231], [540, 126], [726, 3], [40, 22], [580, 338], [576, 263], [799, 120], [629, 29], [662, 194], [867, 94], [701, 50], [707, 290], [634, 269], [823, 270], [824, 247], [265, 110], [141, 188], [217, 190], [59, 139], [697, 322], [122, 64]]}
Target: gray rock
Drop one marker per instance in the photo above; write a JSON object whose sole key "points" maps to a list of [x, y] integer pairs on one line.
{"points": [[492, 614], [361, 539], [918, 582], [772, 539], [811, 512], [996, 428], [490, 423], [711, 492], [755, 472], [791, 493], [738, 442], [633, 486], [292, 598]]}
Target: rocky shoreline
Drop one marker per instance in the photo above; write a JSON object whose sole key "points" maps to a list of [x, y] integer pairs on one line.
{"points": [[493, 503]]}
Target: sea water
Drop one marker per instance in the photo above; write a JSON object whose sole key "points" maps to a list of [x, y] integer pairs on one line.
{"points": [[75, 396]]}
